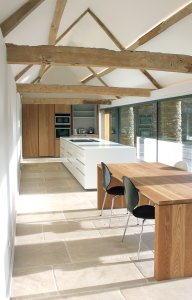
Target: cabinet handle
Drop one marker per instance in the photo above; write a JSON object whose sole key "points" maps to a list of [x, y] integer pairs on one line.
{"points": [[80, 171], [69, 153], [69, 161], [80, 161]]}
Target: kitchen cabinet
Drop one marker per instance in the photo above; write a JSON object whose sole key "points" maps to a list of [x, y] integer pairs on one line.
{"points": [[85, 116], [30, 130], [38, 129], [46, 130], [62, 108], [82, 158]]}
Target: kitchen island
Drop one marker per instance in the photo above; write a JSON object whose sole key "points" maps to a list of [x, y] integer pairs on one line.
{"points": [[82, 155]]}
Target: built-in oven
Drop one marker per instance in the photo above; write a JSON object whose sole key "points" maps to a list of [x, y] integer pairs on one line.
{"points": [[62, 119], [62, 131]]}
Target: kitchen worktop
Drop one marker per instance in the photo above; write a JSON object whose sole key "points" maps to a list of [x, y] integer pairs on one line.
{"points": [[84, 143], [81, 156]]}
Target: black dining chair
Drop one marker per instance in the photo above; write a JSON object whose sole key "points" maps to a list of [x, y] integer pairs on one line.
{"points": [[141, 212], [113, 191]]}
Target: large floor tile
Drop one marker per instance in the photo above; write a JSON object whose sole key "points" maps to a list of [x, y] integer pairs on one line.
{"points": [[69, 230], [89, 277], [30, 282], [40, 217], [40, 254], [95, 295], [174, 290], [101, 249], [26, 233]]}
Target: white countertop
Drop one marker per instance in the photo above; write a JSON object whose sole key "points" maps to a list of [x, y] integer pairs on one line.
{"points": [[93, 143]]}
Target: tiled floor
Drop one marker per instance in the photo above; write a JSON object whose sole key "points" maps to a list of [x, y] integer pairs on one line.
{"points": [[65, 250]]}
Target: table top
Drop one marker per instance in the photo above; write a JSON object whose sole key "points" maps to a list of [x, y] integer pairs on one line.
{"points": [[160, 183]]}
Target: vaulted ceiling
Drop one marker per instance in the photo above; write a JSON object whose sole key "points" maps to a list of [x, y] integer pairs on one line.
{"points": [[152, 29]]}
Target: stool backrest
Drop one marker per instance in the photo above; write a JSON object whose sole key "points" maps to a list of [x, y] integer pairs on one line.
{"points": [[106, 176], [131, 194]]}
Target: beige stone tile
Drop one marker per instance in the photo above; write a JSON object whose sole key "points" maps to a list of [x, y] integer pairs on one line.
{"points": [[89, 277], [84, 214], [40, 254], [88, 195], [28, 232], [33, 190], [50, 202], [172, 290], [101, 249], [96, 295], [26, 182], [27, 283], [145, 264], [40, 217], [69, 230]]}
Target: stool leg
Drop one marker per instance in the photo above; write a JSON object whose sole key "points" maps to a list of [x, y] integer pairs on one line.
{"points": [[112, 204], [140, 239], [103, 203], [126, 227]]}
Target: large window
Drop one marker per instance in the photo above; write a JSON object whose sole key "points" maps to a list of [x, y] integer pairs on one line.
{"points": [[160, 130]]}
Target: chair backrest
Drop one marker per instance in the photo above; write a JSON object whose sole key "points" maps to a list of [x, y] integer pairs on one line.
{"points": [[131, 194], [181, 165], [106, 176]]}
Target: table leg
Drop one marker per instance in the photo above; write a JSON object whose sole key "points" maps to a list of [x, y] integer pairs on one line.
{"points": [[173, 241]]}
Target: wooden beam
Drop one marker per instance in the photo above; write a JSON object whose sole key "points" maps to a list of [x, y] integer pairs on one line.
{"points": [[119, 45], [17, 17], [100, 79], [29, 100], [164, 25], [153, 81], [82, 89], [59, 9], [59, 38], [78, 56], [71, 26]]}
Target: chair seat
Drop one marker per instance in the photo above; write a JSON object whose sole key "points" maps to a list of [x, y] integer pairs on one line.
{"points": [[116, 190], [144, 212]]}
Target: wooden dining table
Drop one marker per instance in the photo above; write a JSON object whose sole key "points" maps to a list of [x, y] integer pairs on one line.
{"points": [[170, 190]]}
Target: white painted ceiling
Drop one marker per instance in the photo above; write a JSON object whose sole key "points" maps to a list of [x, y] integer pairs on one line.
{"points": [[126, 19]]}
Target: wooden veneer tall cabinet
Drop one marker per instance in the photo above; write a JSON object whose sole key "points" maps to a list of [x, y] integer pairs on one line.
{"points": [[38, 129], [30, 130], [46, 130]]}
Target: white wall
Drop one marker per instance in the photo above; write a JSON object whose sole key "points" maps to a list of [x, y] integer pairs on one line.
{"points": [[9, 168], [184, 88]]}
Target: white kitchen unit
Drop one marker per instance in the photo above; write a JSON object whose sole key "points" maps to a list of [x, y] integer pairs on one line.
{"points": [[81, 156]]}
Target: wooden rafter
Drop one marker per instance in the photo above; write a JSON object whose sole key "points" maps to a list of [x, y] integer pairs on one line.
{"points": [[63, 34], [78, 56], [30, 100], [17, 17], [59, 9], [71, 26], [120, 46], [22, 72], [153, 81], [164, 25], [106, 30], [82, 89]]}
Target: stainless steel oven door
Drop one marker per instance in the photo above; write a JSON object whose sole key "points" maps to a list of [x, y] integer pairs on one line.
{"points": [[62, 119], [62, 132]]}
